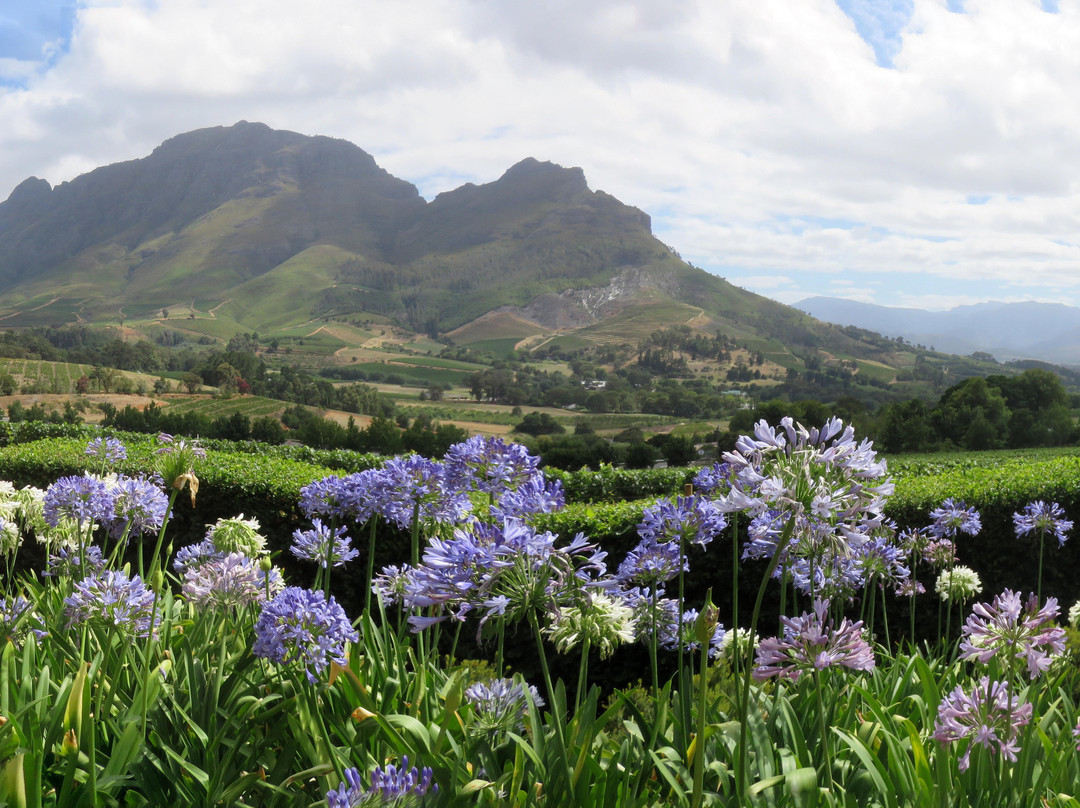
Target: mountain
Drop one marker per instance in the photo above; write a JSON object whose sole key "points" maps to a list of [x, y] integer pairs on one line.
{"points": [[1049, 332], [238, 229]]}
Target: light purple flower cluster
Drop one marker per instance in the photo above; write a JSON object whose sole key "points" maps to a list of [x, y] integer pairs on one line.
{"points": [[69, 562], [490, 465], [108, 450], [139, 507], [505, 569], [323, 545], [84, 499], [988, 716], [829, 488], [415, 484], [113, 599], [650, 564], [232, 581], [500, 705], [302, 625], [811, 643], [17, 621], [690, 520], [391, 786], [1021, 631], [1044, 519], [952, 518], [713, 480]]}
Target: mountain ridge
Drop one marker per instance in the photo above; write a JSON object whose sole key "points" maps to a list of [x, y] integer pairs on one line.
{"points": [[1048, 332]]}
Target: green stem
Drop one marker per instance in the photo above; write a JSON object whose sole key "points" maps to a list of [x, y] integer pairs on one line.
{"points": [[155, 560], [744, 700], [370, 562], [699, 737]]}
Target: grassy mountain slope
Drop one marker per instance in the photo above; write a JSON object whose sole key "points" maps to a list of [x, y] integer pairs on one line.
{"points": [[244, 228]]}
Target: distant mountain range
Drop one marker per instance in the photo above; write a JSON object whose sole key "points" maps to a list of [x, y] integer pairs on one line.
{"points": [[1049, 332]]}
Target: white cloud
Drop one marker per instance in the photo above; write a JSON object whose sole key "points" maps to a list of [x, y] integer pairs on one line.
{"points": [[763, 136]]}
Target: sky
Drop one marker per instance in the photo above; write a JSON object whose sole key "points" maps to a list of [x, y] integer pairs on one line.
{"points": [[921, 153]]}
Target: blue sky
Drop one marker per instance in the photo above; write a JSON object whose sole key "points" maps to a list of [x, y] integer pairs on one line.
{"points": [[902, 152]]}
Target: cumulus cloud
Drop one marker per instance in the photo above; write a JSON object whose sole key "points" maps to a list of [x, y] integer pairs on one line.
{"points": [[809, 142]]}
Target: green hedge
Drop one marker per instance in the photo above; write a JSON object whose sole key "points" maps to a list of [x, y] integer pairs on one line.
{"points": [[606, 505]]}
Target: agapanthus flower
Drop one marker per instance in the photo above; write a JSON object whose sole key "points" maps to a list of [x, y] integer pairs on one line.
{"points": [[490, 465], [115, 600], [391, 787], [140, 507], [1022, 631], [83, 499], [237, 535], [959, 583], [10, 536], [651, 564], [232, 581], [1074, 615], [506, 569], [109, 450], [940, 553], [738, 644], [67, 561], [302, 625], [323, 545], [18, 621], [952, 518], [416, 485], [988, 716], [536, 495], [1043, 519], [830, 489], [360, 496], [500, 705], [323, 498], [714, 480], [605, 621], [691, 520], [192, 555], [811, 643], [29, 503], [882, 561]]}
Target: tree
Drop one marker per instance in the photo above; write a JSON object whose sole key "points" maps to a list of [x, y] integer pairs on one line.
{"points": [[192, 382]]}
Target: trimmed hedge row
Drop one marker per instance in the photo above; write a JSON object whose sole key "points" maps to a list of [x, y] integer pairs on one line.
{"points": [[266, 485]]}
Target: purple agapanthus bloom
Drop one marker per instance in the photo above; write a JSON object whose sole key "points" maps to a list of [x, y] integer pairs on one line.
{"points": [[109, 450], [500, 705], [713, 480], [536, 495], [821, 489], [810, 642], [1044, 519], [138, 502], [490, 465], [192, 555], [650, 564], [114, 599], [1021, 631], [83, 499], [323, 545], [414, 484], [361, 495], [302, 625], [68, 562], [940, 553], [692, 519], [232, 581], [18, 621], [322, 498], [988, 716], [952, 518], [390, 786], [883, 562]]}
